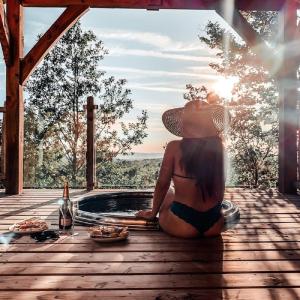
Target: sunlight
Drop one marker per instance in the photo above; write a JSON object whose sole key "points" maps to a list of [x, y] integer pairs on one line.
{"points": [[224, 86]]}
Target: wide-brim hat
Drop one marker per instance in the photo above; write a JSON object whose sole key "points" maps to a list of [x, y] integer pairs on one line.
{"points": [[196, 119]]}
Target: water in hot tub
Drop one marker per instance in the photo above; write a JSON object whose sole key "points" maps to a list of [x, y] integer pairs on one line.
{"points": [[119, 206]]}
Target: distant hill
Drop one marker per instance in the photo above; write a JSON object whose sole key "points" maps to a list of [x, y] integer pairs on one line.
{"points": [[141, 156]]}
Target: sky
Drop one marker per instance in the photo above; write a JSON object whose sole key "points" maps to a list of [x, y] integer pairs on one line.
{"points": [[158, 52]]}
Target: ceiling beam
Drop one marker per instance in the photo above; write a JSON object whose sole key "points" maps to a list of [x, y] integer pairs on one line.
{"points": [[159, 4], [4, 33], [44, 44], [138, 4]]}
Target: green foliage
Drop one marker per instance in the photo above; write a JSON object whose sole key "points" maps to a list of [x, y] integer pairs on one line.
{"points": [[127, 173], [254, 106], [55, 120]]}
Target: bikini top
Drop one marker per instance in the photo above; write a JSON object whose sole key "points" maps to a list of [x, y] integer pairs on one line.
{"points": [[181, 176]]}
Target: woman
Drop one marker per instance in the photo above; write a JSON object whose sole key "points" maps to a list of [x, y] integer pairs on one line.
{"points": [[195, 164]]}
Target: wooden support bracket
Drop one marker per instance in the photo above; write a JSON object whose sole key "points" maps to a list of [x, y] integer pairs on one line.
{"points": [[258, 45], [43, 46], [4, 33]]}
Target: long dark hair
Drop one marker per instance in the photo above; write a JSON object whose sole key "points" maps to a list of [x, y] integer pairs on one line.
{"points": [[203, 159]]}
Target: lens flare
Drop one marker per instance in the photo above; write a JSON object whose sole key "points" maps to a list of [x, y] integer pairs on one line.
{"points": [[224, 86]]}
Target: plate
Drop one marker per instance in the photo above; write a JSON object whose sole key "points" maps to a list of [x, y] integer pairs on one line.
{"points": [[13, 229], [106, 234], [109, 239]]}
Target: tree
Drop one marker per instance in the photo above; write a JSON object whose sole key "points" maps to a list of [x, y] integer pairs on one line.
{"points": [[254, 106], [55, 129]]}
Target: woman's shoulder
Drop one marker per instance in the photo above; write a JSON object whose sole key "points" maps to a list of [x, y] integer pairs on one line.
{"points": [[172, 145], [173, 148]]}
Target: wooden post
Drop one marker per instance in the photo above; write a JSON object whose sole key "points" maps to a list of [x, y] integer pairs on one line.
{"points": [[90, 144], [14, 101], [3, 147], [52, 35], [4, 33], [288, 104]]}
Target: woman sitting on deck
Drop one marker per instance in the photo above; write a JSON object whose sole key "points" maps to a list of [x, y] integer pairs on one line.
{"points": [[195, 164]]}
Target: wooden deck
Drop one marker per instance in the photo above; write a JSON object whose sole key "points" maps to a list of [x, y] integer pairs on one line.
{"points": [[259, 259]]}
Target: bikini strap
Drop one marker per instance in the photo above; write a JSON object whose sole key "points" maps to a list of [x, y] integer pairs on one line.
{"points": [[183, 176]]}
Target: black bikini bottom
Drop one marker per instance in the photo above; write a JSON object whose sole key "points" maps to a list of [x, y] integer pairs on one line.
{"points": [[201, 220]]}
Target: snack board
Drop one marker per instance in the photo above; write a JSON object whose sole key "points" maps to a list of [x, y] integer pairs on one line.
{"points": [[106, 234], [31, 225]]}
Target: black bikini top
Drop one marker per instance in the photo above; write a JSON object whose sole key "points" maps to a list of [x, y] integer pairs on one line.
{"points": [[181, 176]]}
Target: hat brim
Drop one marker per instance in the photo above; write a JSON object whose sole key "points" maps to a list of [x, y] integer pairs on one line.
{"points": [[173, 121]]}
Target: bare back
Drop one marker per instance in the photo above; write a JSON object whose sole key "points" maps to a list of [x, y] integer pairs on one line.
{"points": [[186, 190]]}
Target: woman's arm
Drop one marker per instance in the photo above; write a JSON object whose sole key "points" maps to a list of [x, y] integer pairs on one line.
{"points": [[162, 184]]}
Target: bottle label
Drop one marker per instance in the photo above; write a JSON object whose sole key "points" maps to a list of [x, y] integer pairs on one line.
{"points": [[66, 221]]}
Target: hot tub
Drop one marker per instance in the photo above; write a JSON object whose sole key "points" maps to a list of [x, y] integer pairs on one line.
{"points": [[119, 208]]}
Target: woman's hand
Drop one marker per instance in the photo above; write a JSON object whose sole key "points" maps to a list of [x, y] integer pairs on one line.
{"points": [[145, 214]]}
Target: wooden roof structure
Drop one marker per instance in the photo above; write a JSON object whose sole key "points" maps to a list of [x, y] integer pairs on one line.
{"points": [[19, 67]]}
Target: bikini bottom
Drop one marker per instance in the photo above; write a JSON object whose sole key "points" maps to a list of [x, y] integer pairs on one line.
{"points": [[201, 220]]}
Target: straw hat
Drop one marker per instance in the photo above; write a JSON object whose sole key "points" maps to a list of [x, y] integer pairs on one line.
{"points": [[196, 119]]}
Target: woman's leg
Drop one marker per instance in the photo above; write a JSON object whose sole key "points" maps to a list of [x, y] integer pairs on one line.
{"points": [[170, 223], [165, 206]]}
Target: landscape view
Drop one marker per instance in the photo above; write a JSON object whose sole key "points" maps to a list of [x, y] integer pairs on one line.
{"points": [[162, 69]]}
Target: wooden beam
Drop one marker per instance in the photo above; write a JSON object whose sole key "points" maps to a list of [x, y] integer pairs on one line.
{"points": [[238, 22], [14, 127], [288, 105], [43, 46], [136, 4], [4, 33], [257, 44], [158, 4]]}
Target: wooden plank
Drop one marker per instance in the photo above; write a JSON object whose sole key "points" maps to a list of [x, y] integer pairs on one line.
{"points": [[53, 204], [239, 228], [157, 281], [40, 268], [88, 257], [250, 230], [157, 4], [162, 238], [288, 293], [44, 44], [272, 219], [14, 129], [147, 247], [230, 193], [4, 33], [227, 237]]}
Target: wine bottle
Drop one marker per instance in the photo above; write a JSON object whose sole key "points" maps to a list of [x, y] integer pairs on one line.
{"points": [[65, 212]]}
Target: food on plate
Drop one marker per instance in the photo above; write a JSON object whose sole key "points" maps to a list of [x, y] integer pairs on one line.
{"points": [[102, 231], [30, 225]]}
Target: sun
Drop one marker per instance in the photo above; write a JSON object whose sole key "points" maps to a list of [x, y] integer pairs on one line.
{"points": [[224, 86]]}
